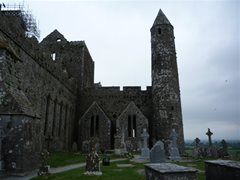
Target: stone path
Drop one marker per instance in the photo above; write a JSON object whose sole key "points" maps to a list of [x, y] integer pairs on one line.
{"points": [[53, 170]]}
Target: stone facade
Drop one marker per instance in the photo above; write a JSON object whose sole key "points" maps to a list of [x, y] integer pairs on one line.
{"points": [[48, 98]]}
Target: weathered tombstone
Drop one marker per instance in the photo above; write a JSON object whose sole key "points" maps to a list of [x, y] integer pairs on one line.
{"points": [[174, 153], [169, 171], [74, 147], [145, 149], [197, 150], [44, 169], [222, 170], [93, 161], [209, 134], [122, 147], [223, 152], [157, 153], [2, 135]]}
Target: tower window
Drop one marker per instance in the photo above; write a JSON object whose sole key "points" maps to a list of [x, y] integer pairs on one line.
{"points": [[59, 40], [53, 56], [159, 31]]}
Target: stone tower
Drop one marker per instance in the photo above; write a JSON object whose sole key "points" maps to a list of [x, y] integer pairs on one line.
{"points": [[167, 113]]}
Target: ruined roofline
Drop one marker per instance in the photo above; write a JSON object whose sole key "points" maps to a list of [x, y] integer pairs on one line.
{"points": [[125, 88]]}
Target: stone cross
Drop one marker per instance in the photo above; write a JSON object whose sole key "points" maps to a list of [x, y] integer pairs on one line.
{"points": [[145, 149], [209, 134], [197, 142], [145, 137], [174, 152]]}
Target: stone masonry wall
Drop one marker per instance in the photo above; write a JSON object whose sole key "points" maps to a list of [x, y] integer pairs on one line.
{"points": [[34, 92], [113, 102]]}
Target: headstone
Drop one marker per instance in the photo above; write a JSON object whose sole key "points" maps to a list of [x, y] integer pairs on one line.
{"points": [[174, 153], [145, 149], [157, 153], [121, 150], [44, 169], [93, 161], [222, 170], [169, 171], [197, 150], [209, 134], [224, 148], [74, 147]]}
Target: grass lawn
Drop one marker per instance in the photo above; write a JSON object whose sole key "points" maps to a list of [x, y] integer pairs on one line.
{"points": [[58, 159], [109, 173]]}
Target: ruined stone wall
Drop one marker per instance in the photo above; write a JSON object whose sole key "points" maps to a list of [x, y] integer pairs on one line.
{"points": [[34, 93], [113, 102], [73, 56]]}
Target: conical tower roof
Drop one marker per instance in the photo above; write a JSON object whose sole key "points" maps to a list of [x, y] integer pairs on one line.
{"points": [[161, 19]]}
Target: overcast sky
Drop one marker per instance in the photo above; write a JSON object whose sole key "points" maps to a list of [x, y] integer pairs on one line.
{"points": [[117, 33]]}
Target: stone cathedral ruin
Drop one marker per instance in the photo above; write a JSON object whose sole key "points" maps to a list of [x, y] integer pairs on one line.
{"points": [[48, 99]]}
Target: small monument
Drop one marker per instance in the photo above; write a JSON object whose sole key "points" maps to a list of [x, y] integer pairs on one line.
{"points": [[223, 152], [174, 153], [157, 153], [197, 150], [122, 148], [44, 169], [93, 161], [209, 134], [145, 149]]}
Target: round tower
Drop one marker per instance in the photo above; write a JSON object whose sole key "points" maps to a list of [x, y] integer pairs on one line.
{"points": [[167, 114]]}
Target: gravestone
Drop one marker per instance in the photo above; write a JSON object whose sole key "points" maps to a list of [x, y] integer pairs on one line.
{"points": [[44, 169], [209, 134], [174, 153], [222, 170], [169, 171], [224, 149], [145, 149], [157, 153], [122, 147], [93, 160], [197, 150]]}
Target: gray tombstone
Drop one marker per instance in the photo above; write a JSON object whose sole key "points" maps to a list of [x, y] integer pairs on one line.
{"points": [[174, 153], [209, 134], [157, 153], [145, 149], [93, 160]]}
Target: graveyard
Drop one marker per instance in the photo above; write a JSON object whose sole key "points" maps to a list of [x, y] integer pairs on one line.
{"points": [[132, 164]]}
